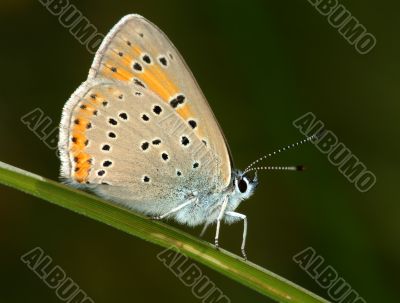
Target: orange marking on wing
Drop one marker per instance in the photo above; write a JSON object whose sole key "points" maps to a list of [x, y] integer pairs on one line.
{"points": [[89, 109], [119, 73], [136, 50], [94, 98], [184, 111], [79, 143], [125, 59], [82, 168], [81, 159], [81, 126], [147, 77], [79, 180], [158, 82], [169, 85], [154, 85], [152, 76]]}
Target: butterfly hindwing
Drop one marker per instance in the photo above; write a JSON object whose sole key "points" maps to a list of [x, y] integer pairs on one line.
{"points": [[125, 142]]}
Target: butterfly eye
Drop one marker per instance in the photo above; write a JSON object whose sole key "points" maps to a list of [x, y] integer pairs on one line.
{"points": [[242, 185]]}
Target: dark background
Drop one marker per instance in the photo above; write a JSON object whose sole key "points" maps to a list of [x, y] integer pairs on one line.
{"points": [[261, 65]]}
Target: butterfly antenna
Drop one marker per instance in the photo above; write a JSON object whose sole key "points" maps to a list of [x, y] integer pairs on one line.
{"points": [[289, 168], [291, 146]]}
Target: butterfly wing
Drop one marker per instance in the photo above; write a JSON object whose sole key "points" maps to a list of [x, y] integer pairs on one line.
{"points": [[137, 52], [125, 143]]}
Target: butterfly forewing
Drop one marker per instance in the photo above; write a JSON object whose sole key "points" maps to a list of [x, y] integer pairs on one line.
{"points": [[136, 52]]}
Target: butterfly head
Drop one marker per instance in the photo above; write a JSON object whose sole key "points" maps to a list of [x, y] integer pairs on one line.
{"points": [[244, 184]]}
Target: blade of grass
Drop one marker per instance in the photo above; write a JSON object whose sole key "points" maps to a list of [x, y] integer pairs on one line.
{"points": [[232, 266]]}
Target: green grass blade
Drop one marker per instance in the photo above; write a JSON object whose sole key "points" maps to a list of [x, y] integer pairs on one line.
{"points": [[232, 266]]}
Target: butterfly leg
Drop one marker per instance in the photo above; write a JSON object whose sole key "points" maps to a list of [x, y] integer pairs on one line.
{"points": [[244, 218], [220, 216], [174, 210], [204, 230]]}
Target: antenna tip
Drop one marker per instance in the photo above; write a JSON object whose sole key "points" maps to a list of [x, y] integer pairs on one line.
{"points": [[300, 168], [320, 134]]}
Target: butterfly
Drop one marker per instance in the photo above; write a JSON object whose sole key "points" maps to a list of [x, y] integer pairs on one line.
{"points": [[140, 133]]}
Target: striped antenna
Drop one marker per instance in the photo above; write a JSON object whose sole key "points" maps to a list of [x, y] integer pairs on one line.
{"points": [[308, 139], [289, 168]]}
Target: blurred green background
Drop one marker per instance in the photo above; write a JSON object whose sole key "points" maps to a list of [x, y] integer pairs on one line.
{"points": [[261, 65]]}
